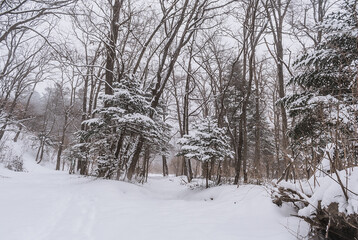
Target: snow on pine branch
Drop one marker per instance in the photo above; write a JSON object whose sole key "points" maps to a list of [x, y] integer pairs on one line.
{"points": [[205, 142]]}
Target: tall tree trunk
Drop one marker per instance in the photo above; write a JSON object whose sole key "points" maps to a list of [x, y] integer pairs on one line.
{"points": [[245, 145], [281, 85], [188, 168], [111, 47], [240, 145], [276, 11], [257, 158], [277, 134]]}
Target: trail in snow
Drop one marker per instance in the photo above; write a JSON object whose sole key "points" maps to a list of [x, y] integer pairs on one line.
{"points": [[47, 205]]}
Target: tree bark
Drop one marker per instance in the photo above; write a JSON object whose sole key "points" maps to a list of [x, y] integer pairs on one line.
{"points": [[135, 158], [257, 158], [60, 148], [207, 174], [111, 47], [165, 166]]}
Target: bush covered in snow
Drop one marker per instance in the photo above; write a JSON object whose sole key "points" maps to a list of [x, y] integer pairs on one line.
{"points": [[15, 164], [328, 203], [11, 160]]}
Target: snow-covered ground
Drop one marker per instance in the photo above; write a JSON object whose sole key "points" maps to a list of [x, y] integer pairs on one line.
{"points": [[42, 204]]}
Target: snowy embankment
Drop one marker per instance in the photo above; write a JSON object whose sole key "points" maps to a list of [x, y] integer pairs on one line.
{"points": [[42, 204], [328, 187], [324, 189]]}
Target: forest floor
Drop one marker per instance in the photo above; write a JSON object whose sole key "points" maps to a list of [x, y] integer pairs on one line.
{"points": [[42, 204]]}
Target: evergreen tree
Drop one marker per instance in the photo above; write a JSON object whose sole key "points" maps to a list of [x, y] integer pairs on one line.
{"points": [[110, 138], [325, 107], [206, 143]]}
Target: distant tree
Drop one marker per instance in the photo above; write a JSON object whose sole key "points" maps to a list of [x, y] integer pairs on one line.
{"points": [[25, 26], [206, 143]]}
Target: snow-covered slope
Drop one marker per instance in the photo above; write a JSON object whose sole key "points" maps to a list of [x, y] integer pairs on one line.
{"points": [[42, 204], [25, 149]]}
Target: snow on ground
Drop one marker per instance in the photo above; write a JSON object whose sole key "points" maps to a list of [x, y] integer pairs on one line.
{"points": [[42, 204], [46, 205]]}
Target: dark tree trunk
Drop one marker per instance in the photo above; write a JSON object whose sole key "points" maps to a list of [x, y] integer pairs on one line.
{"points": [[135, 158], [245, 146], [59, 153], [277, 135], [38, 152], [207, 174], [165, 166], [41, 153], [276, 21], [239, 154], [111, 47], [60, 148], [189, 172], [257, 158]]}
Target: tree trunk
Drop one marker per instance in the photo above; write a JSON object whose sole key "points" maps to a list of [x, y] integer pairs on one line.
{"points": [[239, 154], [38, 152], [189, 172], [165, 166], [111, 47], [60, 148], [41, 153], [245, 147], [135, 158], [257, 158], [277, 134], [207, 174], [188, 169], [276, 20]]}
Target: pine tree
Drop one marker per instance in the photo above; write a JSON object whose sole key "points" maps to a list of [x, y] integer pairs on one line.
{"points": [[206, 143], [111, 137], [325, 110]]}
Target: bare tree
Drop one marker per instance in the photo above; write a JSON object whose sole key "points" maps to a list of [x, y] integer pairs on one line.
{"points": [[27, 14], [179, 30], [276, 11]]}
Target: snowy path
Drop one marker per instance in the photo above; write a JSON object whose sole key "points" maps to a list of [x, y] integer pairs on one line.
{"points": [[47, 205]]}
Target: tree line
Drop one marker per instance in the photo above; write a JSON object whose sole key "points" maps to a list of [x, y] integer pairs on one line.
{"points": [[228, 90]]}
